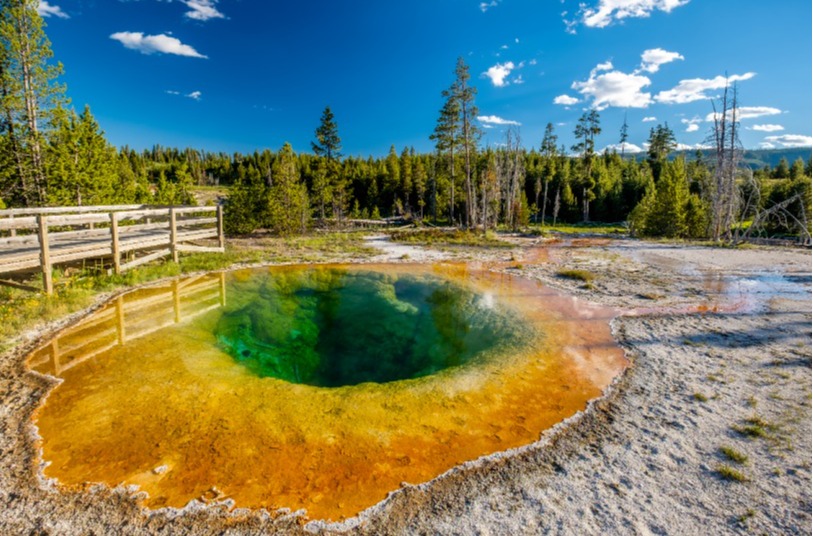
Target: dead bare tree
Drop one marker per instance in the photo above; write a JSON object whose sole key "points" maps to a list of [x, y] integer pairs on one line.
{"points": [[511, 176], [723, 198]]}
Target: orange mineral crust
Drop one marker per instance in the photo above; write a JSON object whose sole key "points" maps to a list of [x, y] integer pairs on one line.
{"points": [[149, 397]]}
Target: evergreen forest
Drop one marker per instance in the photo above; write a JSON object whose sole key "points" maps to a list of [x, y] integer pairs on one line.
{"points": [[53, 155]]}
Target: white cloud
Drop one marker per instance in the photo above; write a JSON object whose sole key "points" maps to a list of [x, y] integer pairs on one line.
{"points": [[498, 73], [748, 112], [195, 95], [649, 119], [609, 11], [696, 146], [652, 59], [695, 89], [790, 140], [518, 80], [767, 128], [614, 88], [606, 66], [149, 44], [490, 120], [627, 148], [565, 100], [47, 10], [485, 6], [767, 145], [693, 124], [202, 10], [172, 92]]}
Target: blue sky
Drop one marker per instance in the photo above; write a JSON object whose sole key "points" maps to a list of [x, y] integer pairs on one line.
{"points": [[240, 75]]}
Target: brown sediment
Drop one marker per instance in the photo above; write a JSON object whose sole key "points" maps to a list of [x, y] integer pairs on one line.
{"points": [[641, 460], [174, 415]]}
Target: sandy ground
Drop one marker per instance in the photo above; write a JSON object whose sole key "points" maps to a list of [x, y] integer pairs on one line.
{"points": [[720, 344]]}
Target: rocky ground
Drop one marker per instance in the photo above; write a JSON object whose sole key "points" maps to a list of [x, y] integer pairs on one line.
{"points": [[708, 431]]}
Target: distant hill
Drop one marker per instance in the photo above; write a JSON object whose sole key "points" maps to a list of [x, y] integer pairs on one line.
{"points": [[770, 157], [754, 158]]}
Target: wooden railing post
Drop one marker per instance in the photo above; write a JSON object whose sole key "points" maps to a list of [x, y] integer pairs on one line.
{"points": [[121, 328], [13, 231], [45, 254], [221, 237], [114, 243], [173, 235], [176, 301]]}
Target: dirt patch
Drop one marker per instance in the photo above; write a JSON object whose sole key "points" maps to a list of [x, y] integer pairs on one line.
{"points": [[647, 458]]}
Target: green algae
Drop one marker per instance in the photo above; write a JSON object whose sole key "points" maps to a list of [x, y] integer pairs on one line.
{"points": [[330, 327]]}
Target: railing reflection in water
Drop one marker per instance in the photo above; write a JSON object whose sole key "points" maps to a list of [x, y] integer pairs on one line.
{"points": [[130, 317]]}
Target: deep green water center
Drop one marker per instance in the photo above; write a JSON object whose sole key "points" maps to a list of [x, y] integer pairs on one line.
{"points": [[334, 327]]}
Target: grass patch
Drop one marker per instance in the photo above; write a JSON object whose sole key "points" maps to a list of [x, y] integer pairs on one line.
{"points": [[733, 455], [581, 228], [456, 237], [727, 472], [755, 427], [577, 275], [700, 397]]}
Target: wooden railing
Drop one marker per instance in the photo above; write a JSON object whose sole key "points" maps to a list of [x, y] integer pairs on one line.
{"points": [[130, 317], [39, 239]]}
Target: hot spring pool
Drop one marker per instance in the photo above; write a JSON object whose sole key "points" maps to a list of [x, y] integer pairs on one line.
{"points": [[321, 388]]}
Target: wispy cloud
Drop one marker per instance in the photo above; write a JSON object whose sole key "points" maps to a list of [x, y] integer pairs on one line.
{"points": [[194, 95], [498, 73], [695, 89], [494, 120], [790, 140], [47, 10], [151, 44], [767, 128], [202, 10], [649, 119], [606, 12], [748, 112], [693, 124], [485, 6]]}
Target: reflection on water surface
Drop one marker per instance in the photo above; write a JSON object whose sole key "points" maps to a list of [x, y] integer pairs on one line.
{"points": [[158, 389]]}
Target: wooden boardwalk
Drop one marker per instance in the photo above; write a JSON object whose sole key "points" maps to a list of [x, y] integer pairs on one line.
{"points": [[125, 236]]}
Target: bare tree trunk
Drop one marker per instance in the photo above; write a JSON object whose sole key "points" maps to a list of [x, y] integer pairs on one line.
{"points": [[471, 207], [31, 108], [556, 206]]}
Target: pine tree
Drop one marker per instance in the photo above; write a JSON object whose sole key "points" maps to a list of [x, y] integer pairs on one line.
{"points": [[548, 149], [28, 96], [82, 167], [446, 136], [288, 197], [328, 145], [464, 94], [661, 143], [624, 135], [586, 131]]}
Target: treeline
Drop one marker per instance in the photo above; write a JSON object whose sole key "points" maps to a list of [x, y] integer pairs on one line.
{"points": [[50, 155]]}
